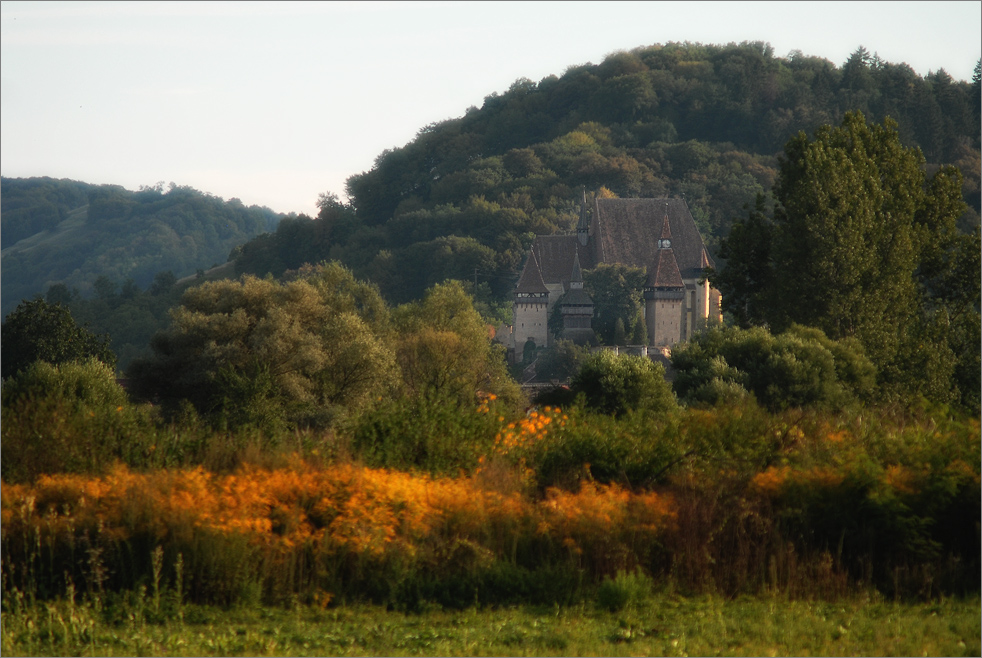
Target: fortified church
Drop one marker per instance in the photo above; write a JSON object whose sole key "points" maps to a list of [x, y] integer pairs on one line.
{"points": [[658, 235]]}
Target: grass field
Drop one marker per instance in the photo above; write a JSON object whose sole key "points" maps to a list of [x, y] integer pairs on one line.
{"points": [[663, 624]]}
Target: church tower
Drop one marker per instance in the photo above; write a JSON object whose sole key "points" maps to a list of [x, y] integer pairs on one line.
{"points": [[664, 293], [577, 309], [531, 305]]}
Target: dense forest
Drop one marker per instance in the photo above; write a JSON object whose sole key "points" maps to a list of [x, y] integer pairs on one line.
{"points": [[102, 240], [704, 122], [464, 199]]}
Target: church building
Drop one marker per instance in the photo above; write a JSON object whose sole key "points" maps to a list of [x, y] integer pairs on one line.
{"points": [[658, 235]]}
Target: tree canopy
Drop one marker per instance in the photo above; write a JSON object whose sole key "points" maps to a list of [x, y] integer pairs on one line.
{"points": [[39, 331], [72, 233], [617, 384], [315, 348], [862, 245], [800, 367]]}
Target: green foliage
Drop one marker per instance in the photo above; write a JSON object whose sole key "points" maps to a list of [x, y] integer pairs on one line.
{"points": [[131, 320], [39, 331], [561, 361], [862, 246], [72, 233], [845, 222], [444, 349], [633, 451], [257, 351], [617, 384], [430, 433], [616, 293], [623, 590], [748, 277], [72, 417], [800, 367]]}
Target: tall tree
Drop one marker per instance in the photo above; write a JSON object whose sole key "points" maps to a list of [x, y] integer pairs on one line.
{"points": [[748, 277], [444, 349], [39, 331], [844, 246], [859, 247], [256, 351]]}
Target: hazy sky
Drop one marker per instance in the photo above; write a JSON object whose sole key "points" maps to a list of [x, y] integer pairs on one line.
{"points": [[275, 103]]}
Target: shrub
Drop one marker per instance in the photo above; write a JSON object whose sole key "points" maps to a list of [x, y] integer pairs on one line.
{"points": [[632, 451], [616, 384], [63, 418], [429, 432], [624, 589], [800, 367], [75, 418]]}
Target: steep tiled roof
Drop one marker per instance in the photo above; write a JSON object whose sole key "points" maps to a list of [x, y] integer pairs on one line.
{"points": [[531, 280], [627, 231], [555, 255], [666, 273], [666, 228]]}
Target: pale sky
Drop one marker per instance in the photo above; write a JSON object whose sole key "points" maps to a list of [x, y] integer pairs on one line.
{"points": [[275, 103]]}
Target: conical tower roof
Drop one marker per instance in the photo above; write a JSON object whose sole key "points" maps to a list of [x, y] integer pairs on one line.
{"points": [[665, 273], [531, 280], [577, 275], [666, 229]]}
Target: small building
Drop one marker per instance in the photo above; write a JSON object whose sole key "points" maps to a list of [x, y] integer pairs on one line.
{"points": [[658, 235]]}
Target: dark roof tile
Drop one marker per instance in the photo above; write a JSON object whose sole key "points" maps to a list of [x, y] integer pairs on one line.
{"points": [[666, 271], [627, 231], [531, 280]]}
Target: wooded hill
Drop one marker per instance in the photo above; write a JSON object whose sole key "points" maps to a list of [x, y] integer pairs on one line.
{"points": [[100, 240], [465, 197]]}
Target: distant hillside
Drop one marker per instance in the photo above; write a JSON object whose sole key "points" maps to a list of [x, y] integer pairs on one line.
{"points": [[703, 122], [76, 234]]}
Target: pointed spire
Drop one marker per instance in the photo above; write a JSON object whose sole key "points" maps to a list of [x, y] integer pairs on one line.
{"points": [[576, 278], [531, 281], [583, 223], [665, 273], [583, 227], [666, 229]]}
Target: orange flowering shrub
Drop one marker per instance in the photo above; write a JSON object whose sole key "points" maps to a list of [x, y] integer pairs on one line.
{"points": [[342, 513], [515, 440], [606, 528]]}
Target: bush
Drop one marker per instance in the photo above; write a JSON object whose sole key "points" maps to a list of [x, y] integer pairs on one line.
{"points": [[624, 589], [429, 432], [632, 451], [800, 367], [64, 418], [75, 418], [616, 384]]}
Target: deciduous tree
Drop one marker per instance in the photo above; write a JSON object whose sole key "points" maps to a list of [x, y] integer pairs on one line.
{"points": [[39, 331]]}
